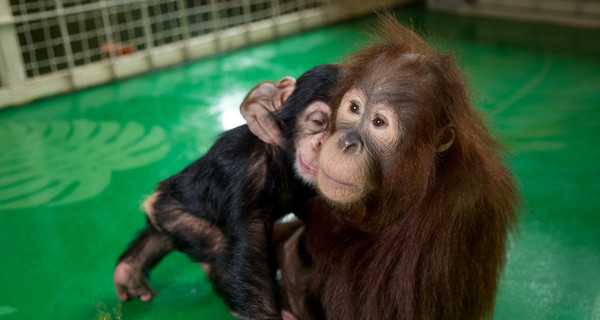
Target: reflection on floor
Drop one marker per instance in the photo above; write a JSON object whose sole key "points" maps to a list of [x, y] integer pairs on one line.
{"points": [[74, 168]]}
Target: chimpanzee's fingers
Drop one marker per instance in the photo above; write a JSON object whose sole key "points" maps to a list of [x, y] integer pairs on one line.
{"points": [[122, 292], [147, 296]]}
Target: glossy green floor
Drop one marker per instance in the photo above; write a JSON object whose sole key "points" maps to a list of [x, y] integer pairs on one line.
{"points": [[74, 168]]}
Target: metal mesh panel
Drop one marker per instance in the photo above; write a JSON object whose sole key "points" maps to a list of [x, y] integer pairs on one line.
{"points": [[127, 27], [41, 45], [32, 6], [62, 45], [260, 10], [165, 22], [230, 13], [86, 35], [199, 17]]}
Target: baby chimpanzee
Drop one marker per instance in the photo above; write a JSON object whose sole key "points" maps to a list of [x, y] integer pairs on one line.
{"points": [[220, 210]]}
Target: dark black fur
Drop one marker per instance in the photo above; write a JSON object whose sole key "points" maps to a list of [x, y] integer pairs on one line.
{"points": [[221, 188]]}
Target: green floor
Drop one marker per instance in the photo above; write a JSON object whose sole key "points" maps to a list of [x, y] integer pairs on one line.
{"points": [[74, 168]]}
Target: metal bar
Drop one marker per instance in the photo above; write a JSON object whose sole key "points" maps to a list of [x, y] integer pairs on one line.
{"points": [[214, 9], [12, 69], [48, 45], [84, 43], [329, 9], [302, 13], [275, 17], [108, 34], [183, 18], [247, 18], [62, 23], [148, 34]]}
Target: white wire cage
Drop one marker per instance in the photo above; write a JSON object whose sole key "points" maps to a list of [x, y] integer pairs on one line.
{"points": [[54, 46]]}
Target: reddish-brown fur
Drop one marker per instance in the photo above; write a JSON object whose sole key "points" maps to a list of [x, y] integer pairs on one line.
{"points": [[431, 242]]}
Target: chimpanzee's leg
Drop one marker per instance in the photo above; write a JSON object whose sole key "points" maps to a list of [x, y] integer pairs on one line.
{"points": [[245, 274], [151, 245], [131, 274], [203, 241], [240, 263], [239, 260]]}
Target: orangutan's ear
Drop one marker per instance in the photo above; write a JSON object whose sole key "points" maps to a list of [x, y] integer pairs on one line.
{"points": [[445, 138]]}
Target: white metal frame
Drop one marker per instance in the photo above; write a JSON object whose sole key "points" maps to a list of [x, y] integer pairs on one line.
{"points": [[54, 46]]}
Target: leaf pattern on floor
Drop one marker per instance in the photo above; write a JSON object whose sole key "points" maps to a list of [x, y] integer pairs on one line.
{"points": [[68, 161]]}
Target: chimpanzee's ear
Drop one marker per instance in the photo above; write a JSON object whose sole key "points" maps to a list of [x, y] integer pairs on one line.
{"points": [[256, 110], [285, 87], [262, 91]]}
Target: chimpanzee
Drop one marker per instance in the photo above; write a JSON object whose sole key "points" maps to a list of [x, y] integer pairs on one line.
{"points": [[221, 209]]}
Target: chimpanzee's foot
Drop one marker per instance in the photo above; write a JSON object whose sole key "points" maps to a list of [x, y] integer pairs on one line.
{"points": [[131, 282]]}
